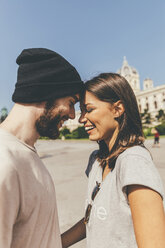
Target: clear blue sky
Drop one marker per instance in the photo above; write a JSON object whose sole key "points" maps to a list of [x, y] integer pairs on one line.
{"points": [[94, 35]]}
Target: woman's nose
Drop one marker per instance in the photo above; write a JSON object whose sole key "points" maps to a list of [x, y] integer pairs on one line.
{"points": [[82, 117]]}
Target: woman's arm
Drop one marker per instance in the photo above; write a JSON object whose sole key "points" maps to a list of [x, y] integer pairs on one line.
{"points": [[148, 216], [74, 234]]}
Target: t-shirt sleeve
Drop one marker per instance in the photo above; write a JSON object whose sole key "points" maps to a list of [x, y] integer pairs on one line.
{"points": [[9, 203], [91, 161], [137, 170]]}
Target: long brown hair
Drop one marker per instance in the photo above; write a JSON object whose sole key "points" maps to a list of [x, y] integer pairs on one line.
{"points": [[111, 87]]}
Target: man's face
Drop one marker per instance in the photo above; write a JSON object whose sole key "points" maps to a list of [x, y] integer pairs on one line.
{"points": [[55, 113]]}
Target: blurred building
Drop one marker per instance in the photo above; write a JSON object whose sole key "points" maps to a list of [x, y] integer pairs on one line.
{"points": [[150, 97], [73, 124]]}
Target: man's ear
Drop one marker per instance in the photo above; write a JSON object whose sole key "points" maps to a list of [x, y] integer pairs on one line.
{"points": [[118, 109]]}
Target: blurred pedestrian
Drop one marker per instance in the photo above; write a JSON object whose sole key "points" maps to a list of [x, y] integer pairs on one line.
{"points": [[156, 137]]}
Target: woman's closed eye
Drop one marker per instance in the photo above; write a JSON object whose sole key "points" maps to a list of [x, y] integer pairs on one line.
{"points": [[89, 110]]}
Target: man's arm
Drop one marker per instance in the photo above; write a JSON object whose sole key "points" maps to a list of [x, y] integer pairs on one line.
{"points": [[9, 203], [74, 234]]}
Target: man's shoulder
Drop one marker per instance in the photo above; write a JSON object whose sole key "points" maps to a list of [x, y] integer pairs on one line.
{"points": [[7, 161], [12, 153], [11, 145], [8, 155]]}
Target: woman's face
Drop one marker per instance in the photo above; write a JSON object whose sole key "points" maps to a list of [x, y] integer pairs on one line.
{"points": [[98, 118]]}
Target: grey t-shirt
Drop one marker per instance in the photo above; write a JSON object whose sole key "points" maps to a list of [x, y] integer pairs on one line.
{"points": [[110, 224]]}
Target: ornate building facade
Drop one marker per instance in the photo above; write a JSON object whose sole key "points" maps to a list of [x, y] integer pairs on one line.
{"points": [[150, 97]]}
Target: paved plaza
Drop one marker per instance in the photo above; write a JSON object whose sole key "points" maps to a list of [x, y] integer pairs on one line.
{"points": [[66, 162]]}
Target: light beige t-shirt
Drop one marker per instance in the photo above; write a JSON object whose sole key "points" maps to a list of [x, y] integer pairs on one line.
{"points": [[28, 211]]}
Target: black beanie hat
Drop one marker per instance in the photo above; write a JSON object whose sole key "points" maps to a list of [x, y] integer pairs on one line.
{"points": [[44, 74]]}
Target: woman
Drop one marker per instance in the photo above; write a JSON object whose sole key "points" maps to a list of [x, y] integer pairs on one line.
{"points": [[125, 194]]}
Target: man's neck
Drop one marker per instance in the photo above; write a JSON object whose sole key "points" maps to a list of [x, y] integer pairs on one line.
{"points": [[21, 123]]}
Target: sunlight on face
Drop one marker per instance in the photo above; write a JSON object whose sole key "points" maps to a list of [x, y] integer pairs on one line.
{"points": [[98, 118], [55, 114]]}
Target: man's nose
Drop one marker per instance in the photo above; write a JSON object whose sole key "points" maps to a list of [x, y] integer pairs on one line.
{"points": [[72, 113]]}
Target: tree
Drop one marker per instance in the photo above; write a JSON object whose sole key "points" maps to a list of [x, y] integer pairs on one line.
{"points": [[161, 128], [82, 133], [161, 115], [65, 131], [146, 117], [4, 114], [78, 133]]}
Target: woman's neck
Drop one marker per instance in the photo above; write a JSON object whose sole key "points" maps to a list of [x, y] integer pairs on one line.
{"points": [[110, 142]]}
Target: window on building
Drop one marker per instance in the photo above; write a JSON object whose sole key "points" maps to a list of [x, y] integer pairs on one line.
{"points": [[140, 108], [147, 106], [156, 105], [164, 103]]}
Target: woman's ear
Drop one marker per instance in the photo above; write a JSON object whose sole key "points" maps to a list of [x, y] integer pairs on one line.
{"points": [[118, 109]]}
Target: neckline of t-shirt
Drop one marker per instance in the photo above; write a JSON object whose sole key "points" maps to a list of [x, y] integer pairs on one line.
{"points": [[99, 175], [102, 182], [20, 141], [97, 180]]}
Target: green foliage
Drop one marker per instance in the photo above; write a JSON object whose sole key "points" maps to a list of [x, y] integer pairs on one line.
{"points": [[147, 132], [82, 133], [78, 133], [161, 128], [146, 117], [144, 113], [161, 115], [68, 136], [4, 114], [64, 131], [44, 138]]}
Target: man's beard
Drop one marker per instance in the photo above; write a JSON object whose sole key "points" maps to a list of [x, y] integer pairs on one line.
{"points": [[47, 126]]}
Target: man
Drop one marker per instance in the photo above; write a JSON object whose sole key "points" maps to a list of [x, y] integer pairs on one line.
{"points": [[45, 93]]}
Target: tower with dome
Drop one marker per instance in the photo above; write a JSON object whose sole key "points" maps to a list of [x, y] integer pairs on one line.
{"points": [[131, 74], [149, 98]]}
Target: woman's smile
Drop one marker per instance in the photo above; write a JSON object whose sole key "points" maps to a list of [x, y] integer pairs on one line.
{"points": [[98, 118], [89, 128]]}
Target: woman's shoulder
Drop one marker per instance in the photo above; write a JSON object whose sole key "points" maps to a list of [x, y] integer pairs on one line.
{"points": [[134, 160], [136, 167], [136, 151]]}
